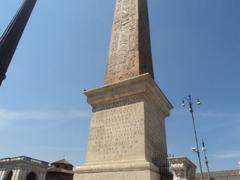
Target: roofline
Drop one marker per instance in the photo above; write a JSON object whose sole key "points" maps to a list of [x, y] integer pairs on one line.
{"points": [[233, 172], [23, 158]]}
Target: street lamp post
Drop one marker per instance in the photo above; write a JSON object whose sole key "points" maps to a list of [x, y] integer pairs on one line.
{"points": [[204, 150], [189, 100]]}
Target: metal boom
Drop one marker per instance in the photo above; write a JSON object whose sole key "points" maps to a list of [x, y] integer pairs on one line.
{"points": [[12, 35]]}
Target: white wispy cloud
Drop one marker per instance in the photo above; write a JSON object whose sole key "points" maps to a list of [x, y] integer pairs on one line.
{"points": [[9, 116], [227, 155], [216, 115], [208, 114]]}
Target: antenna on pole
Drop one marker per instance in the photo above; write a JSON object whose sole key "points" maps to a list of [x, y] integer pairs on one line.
{"points": [[238, 167]]}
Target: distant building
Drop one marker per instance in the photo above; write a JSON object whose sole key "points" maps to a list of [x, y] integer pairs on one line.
{"points": [[26, 168], [22, 168], [60, 170], [221, 175], [183, 169]]}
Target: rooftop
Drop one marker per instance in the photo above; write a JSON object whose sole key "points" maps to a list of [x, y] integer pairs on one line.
{"points": [[23, 158]]}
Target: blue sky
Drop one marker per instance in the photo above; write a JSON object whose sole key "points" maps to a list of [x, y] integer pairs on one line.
{"points": [[195, 46]]}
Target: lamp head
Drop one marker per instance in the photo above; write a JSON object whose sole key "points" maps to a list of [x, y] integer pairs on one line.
{"points": [[183, 103], [198, 102], [194, 149]]}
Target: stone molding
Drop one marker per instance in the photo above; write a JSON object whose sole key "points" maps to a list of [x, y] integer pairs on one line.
{"points": [[142, 84], [116, 167]]}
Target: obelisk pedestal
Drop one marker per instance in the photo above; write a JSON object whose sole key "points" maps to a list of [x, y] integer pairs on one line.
{"points": [[127, 137]]}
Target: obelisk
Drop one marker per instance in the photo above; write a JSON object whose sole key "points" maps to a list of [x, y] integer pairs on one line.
{"points": [[127, 138], [11, 36], [130, 49]]}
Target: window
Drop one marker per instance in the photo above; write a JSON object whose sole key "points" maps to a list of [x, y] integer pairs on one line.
{"points": [[9, 176], [31, 176]]}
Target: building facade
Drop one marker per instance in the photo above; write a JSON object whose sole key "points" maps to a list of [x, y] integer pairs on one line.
{"points": [[22, 168], [26, 168]]}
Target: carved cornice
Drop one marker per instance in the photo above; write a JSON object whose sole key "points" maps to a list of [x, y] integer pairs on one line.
{"points": [[140, 85]]}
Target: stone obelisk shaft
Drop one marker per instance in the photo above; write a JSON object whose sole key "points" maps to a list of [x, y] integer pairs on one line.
{"points": [[12, 35], [130, 49]]}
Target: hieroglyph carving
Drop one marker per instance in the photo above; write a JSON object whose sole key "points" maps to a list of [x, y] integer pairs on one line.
{"points": [[124, 54]]}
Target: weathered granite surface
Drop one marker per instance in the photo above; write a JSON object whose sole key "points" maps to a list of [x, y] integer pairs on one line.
{"points": [[130, 49]]}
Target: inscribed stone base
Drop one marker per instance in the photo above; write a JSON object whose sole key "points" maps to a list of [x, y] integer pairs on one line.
{"points": [[127, 139], [120, 171]]}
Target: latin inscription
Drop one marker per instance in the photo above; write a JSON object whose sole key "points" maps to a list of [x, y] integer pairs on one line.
{"points": [[116, 133]]}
